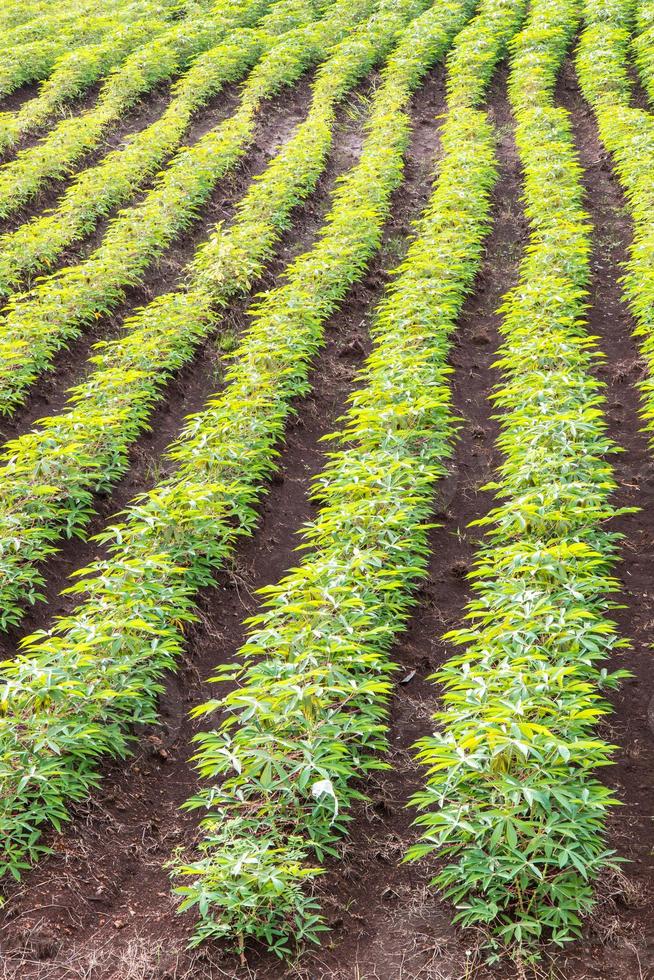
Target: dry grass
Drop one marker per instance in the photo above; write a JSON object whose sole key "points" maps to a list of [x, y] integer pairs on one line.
{"points": [[137, 959]]}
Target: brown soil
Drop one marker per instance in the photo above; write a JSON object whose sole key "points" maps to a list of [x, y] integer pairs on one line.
{"points": [[100, 907], [86, 101], [14, 100]]}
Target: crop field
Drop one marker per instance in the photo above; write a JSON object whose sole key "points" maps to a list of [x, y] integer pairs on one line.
{"points": [[327, 490]]}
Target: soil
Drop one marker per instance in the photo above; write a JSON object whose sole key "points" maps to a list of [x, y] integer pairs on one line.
{"points": [[100, 906], [14, 100]]}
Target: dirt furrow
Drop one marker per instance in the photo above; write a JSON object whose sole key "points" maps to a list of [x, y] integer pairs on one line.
{"points": [[14, 100]]}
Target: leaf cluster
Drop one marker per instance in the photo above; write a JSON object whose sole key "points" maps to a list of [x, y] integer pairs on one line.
{"points": [[17, 14], [35, 245], [642, 44], [31, 50], [628, 135], [157, 61], [512, 797], [40, 322]]}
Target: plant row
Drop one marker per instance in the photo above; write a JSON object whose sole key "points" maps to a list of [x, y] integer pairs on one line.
{"points": [[35, 245], [51, 473], [158, 61], [628, 135], [15, 14], [25, 60], [51, 22], [74, 73], [512, 797], [78, 688], [41, 322], [308, 715], [642, 44]]}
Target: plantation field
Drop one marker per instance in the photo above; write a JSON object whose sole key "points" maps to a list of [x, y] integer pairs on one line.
{"points": [[326, 490]]}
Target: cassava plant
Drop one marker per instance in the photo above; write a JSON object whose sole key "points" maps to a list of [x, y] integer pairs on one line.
{"points": [[35, 245], [51, 473], [157, 61], [40, 322], [628, 135], [512, 799]]}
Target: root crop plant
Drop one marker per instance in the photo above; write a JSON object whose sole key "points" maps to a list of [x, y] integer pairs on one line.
{"points": [[41, 322], [51, 473], [512, 800]]}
